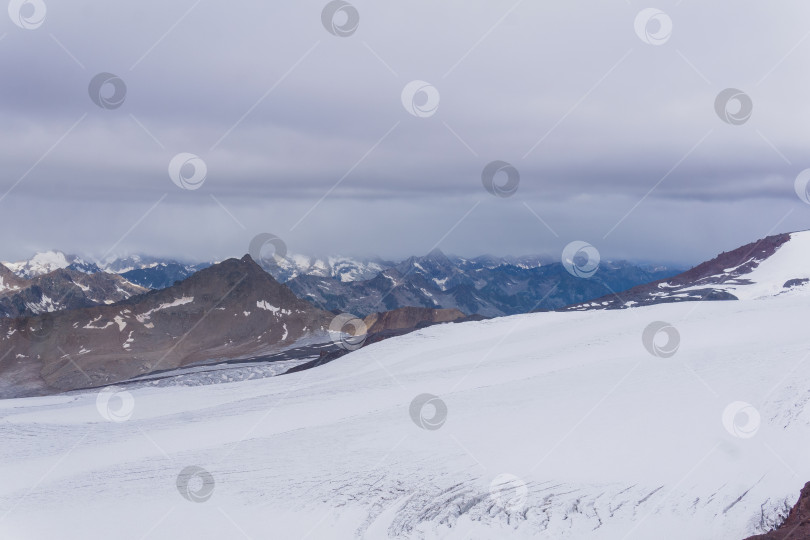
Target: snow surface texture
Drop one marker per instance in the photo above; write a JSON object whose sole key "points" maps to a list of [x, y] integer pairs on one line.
{"points": [[605, 440], [217, 374]]}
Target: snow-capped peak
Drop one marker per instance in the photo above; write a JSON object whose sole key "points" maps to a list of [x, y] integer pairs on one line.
{"points": [[344, 269], [41, 263]]}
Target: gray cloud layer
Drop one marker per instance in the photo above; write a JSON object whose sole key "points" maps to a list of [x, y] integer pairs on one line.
{"points": [[617, 141]]}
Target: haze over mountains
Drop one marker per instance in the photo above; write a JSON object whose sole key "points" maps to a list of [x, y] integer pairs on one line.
{"points": [[145, 271], [486, 285]]}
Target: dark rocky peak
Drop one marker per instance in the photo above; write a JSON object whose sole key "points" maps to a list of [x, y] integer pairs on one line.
{"points": [[438, 256]]}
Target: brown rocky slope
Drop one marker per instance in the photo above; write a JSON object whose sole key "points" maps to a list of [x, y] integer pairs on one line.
{"points": [[797, 524], [231, 310]]}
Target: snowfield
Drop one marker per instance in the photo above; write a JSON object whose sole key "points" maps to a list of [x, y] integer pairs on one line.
{"points": [[602, 438]]}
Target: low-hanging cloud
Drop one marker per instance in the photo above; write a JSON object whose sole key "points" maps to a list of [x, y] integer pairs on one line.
{"points": [[615, 132]]}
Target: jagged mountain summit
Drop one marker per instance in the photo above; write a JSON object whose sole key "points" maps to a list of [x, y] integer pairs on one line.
{"points": [[142, 270], [127, 263], [486, 286], [48, 261], [343, 269], [151, 272], [160, 272], [230, 310], [772, 266], [160, 275], [60, 289]]}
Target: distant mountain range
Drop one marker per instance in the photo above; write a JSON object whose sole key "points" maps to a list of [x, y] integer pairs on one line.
{"points": [[486, 285], [343, 269], [158, 273], [148, 272]]}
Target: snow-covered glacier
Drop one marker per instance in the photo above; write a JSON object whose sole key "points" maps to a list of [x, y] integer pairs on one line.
{"points": [[546, 425]]}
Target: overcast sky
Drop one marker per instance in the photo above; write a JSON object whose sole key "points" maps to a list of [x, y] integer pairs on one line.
{"points": [[612, 126]]}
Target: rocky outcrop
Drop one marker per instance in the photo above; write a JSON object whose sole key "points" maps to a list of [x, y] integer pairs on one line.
{"points": [[228, 311], [410, 317], [797, 524], [9, 281]]}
